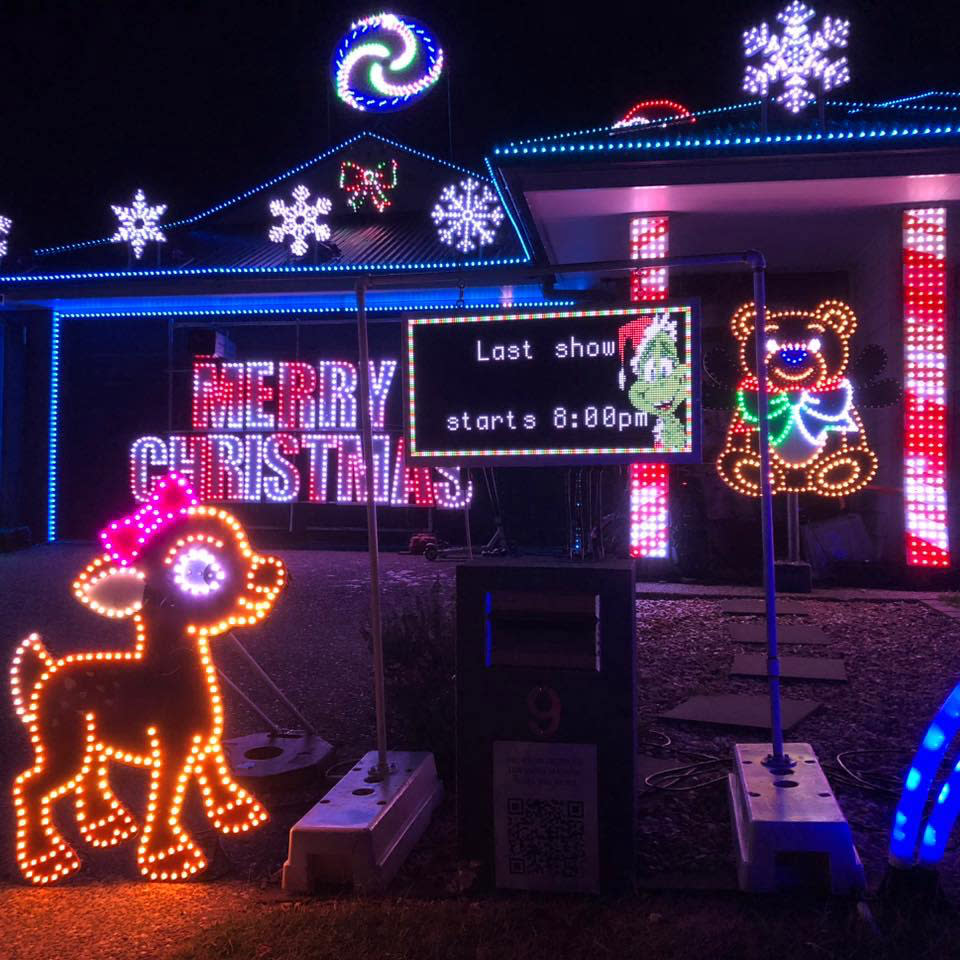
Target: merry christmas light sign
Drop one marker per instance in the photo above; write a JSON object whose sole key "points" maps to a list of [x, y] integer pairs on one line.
{"points": [[556, 387], [285, 431]]}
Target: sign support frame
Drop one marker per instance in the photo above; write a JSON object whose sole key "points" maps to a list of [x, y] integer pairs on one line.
{"points": [[453, 277]]}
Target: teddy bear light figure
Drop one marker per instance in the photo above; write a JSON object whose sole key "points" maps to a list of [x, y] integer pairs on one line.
{"points": [[817, 440]]}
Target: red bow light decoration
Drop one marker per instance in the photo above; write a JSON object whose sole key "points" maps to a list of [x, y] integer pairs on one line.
{"points": [[368, 183]]}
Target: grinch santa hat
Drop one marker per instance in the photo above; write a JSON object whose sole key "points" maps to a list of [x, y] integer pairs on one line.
{"points": [[640, 331]]}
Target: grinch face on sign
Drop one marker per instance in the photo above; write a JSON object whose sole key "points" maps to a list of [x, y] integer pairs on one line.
{"points": [[660, 385]]}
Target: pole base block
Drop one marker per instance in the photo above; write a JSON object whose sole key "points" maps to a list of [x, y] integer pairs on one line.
{"points": [[362, 831], [267, 762], [789, 831], [793, 577]]}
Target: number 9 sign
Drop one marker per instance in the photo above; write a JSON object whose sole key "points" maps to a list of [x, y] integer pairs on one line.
{"points": [[544, 707]]}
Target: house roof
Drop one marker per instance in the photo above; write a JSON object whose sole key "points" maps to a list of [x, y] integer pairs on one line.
{"points": [[926, 118], [231, 237], [575, 175]]}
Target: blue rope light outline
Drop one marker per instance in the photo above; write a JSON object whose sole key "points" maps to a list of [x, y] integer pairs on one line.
{"points": [[331, 268], [60, 315], [613, 128], [711, 111], [53, 438], [731, 141], [273, 181], [506, 206]]}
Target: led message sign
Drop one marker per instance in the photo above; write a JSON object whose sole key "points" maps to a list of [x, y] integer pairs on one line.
{"points": [[285, 431], [567, 386]]}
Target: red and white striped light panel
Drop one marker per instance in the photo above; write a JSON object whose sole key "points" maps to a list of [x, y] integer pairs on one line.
{"points": [[649, 517], [649, 482], [925, 361], [648, 241]]}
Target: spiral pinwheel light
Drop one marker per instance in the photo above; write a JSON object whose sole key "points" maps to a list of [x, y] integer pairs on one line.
{"points": [[386, 62]]}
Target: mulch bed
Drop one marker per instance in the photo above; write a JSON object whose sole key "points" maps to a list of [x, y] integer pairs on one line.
{"points": [[902, 660]]}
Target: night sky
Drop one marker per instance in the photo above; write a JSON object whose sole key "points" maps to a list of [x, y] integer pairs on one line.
{"points": [[196, 101]]}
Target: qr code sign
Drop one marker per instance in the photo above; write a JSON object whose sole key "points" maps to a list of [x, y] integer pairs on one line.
{"points": [[546, 838], [546, 831]]}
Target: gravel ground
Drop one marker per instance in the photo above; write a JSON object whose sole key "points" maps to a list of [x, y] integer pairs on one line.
{"points": [[902, 658]]}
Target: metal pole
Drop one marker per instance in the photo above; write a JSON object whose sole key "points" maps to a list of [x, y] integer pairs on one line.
{"points": [[373, 546], [777, 759], [265, 677], [793, 527], [274, 729], [466, 519]]}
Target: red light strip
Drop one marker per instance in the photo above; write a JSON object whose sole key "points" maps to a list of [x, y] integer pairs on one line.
{"points": [[649, 482], [925, 362]]}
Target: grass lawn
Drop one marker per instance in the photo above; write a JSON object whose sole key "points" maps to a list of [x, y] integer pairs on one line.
{"points": [[667, 926]]}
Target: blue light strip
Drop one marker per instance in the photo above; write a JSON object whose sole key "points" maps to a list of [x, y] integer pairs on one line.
{"points": [[315, 311], [893, 133], [295, 269], [57, 317], [917, 96], [908, 818], [53, 436], [613, 128], [506, 206], [861, 106], [293, 171], [507, 148]]}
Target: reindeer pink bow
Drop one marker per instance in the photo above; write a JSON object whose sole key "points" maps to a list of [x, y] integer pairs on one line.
{"points": [[125, 539]]}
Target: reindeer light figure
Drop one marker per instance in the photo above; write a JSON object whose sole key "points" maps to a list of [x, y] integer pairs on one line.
{"points": [[184, 573]]}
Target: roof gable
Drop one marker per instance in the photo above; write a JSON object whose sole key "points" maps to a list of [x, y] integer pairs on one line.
{"points": [[233, 235]]}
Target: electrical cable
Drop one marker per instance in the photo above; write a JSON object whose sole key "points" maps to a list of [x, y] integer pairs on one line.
{"points": [[347, 764], [873, 780], [675, 779]]}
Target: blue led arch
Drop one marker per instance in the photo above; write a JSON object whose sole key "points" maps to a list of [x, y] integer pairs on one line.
{"points": [[908, 819]]}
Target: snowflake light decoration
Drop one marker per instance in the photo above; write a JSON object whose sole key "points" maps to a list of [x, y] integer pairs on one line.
{"points": [[138, 223], [796, 56], [467, 215], [300, 220], [5, 224]]}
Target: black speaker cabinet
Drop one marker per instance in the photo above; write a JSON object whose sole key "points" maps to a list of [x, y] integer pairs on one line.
{"points": [[546, 722]]}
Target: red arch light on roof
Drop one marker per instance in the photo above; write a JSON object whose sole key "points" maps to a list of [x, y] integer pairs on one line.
{"points": [[651, 111]]}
